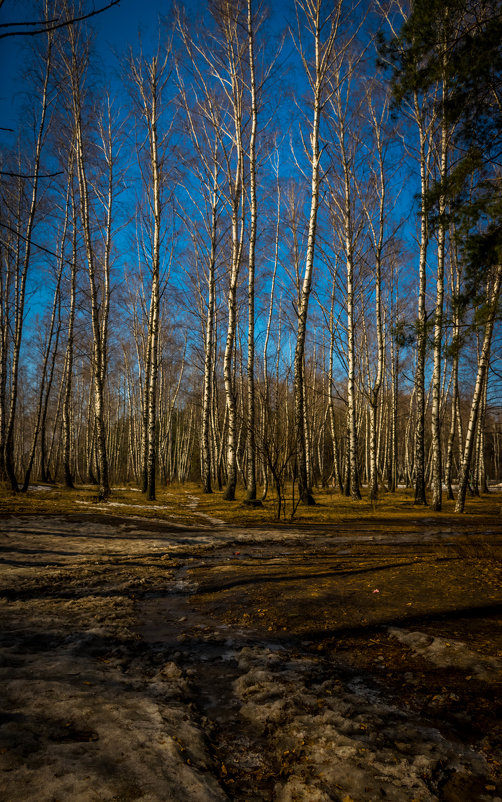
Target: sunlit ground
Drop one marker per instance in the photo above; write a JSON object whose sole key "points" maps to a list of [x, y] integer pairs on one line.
{"points": [[187, 504]]}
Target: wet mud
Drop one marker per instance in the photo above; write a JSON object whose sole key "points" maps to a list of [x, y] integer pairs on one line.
{"points": [[145, 662]]}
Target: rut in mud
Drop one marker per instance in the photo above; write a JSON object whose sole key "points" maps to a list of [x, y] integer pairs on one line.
{"points": [[146, 662], [293, 714]]}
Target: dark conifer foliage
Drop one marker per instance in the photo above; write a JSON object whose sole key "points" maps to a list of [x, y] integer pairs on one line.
{"points": [[462, 41]]}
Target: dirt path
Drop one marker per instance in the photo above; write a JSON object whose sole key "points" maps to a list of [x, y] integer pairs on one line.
{"points": [[145, 662]]}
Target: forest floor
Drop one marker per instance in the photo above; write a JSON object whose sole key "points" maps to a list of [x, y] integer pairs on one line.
{"points": [[146, 659]]}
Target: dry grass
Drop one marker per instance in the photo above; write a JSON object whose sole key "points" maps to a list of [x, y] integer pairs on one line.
{"points": [[186, 504]]}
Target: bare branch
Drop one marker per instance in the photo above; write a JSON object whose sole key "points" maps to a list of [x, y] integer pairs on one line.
{"points": [[49, 28]]}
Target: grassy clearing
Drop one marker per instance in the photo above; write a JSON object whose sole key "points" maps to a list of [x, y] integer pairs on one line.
{"points": [[186, 504]]}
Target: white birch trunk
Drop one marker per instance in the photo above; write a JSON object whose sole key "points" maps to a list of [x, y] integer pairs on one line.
{"points": [[478, 391], [317, 79], [437, 477], [419, 462], [251, 438]]}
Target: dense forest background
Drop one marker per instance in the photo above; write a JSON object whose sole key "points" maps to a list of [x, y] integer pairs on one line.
{"points": [[266, 248]]}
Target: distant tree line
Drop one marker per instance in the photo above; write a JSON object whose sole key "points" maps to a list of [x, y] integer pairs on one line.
{"points": [[257, 255]]}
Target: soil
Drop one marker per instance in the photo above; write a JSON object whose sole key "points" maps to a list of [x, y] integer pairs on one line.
{"points": [[146, 661]]}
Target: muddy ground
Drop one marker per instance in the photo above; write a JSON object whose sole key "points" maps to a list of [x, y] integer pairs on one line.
{"points": [[142, 661]]}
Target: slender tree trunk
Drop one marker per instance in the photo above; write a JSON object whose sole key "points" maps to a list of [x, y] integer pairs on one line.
{"points": [[351, 395], [437, 477], [99, 301], [22, 268], [209, 345], [236, 192], [377, 238], [6, 280], [153, 334], [394, 366], [68, 370], [478, 390], [228, 361], [334, 438], [315, 157], [454, 385], [266, 423], [251, 444], [45, 364], [149, 78], [420, 497]]}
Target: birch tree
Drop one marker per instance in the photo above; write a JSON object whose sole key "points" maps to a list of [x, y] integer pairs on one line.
{"points": [[317, 29], [376, 225], [251, 422], [344, 118], [70, 338], [98, 269], [204, 108], [150, 77], [17, 262], [491, 313], [437, 475]]}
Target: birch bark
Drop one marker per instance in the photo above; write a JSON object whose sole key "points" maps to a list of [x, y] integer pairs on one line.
{"points": [[419, 462], [478, 390], [253, 208], [455, 287], [234, 52], [149, 79], [45, 364], [312, 13], [377, 239], [437, 477], [21, 271], [99, 284]]}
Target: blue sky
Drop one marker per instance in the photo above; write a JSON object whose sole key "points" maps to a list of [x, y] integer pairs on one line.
{"points": [[114, 28]]}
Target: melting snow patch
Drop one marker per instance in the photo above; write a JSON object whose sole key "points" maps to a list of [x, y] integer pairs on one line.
{"points": [[217, 521], [444, 653], [342, 736]]}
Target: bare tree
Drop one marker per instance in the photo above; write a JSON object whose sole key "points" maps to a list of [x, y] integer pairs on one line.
{"points": [[251, 478], [21, 251], [34, 28], [150, 78], [437, 476], [492, 306], [376, 227], [319, 25], [98, 269], [69, 355]]}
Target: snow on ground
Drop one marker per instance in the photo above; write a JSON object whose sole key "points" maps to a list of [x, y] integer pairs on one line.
{"points": [[191, 504], [77, 729], [85, 716], [442, 652], [94, 712], [339, 738]]}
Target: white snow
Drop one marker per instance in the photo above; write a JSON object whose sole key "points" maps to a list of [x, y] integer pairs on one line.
{"points": [[454, 653], [92, 712], [350, 743]]}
